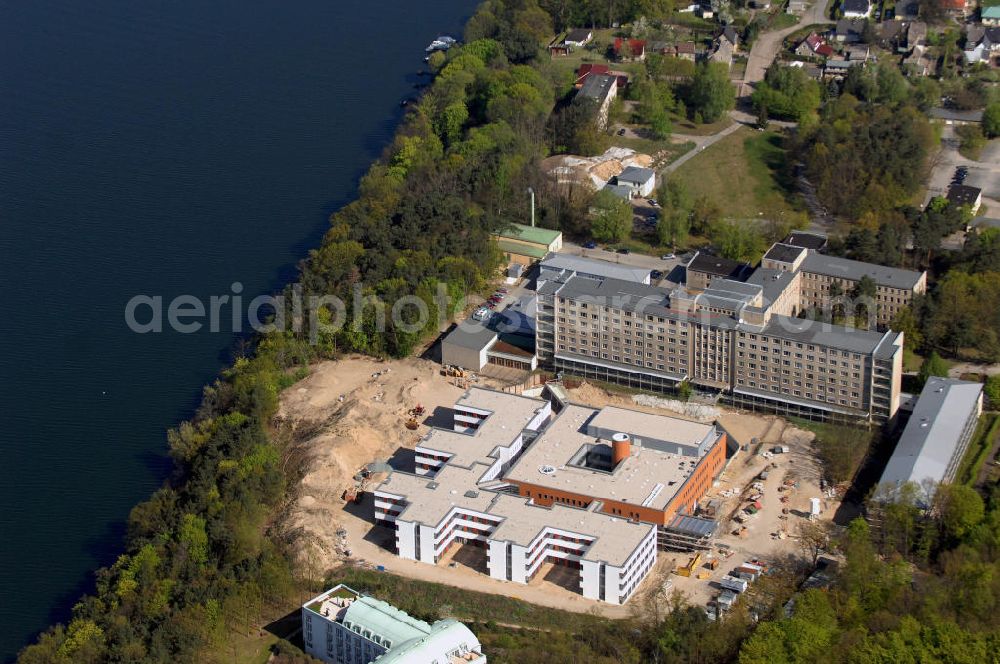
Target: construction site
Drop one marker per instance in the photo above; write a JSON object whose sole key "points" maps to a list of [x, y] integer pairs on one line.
{"points": [[359, 420]]}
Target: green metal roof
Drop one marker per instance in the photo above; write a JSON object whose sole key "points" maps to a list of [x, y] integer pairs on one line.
{"points": [[445, 635], [510, 247], [991, 12], [384, 620], [537, 235]]}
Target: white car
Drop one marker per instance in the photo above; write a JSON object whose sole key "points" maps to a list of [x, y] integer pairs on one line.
{"points": [[481, 313], [667, 257]]}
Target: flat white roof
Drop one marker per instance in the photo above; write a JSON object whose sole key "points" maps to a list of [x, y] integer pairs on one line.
{"points": [[616, 538], [510, 414], [654, 427], [648, 477], [430, 500]]}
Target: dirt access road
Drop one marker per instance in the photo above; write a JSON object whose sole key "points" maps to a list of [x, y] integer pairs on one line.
{"points": [[768, 44]]}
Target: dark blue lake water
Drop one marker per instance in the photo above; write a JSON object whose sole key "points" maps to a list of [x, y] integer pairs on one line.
{"points": [[161, 148]]}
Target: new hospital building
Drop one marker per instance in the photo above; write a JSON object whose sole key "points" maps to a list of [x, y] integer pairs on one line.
{"points": [[596, 490]]}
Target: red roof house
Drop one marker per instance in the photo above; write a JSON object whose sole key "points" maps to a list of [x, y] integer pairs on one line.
{"points": [[636, 48]]}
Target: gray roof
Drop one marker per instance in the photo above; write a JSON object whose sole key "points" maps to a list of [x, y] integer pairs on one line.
{"points": [[471, 334], [819, 333], [815, 241], [578, 35], [933, 435], [597, 87], [594, 267], [857, 6], [693, 525], [783, 253], [963, 194], [654, 301], [637, 175], [620, 190], [773, 282], [844, 268], [956, 115], [719, 266]]}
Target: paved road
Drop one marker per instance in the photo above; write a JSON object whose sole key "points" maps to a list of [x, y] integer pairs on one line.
{"points": [[768, 44], [984, 173]]}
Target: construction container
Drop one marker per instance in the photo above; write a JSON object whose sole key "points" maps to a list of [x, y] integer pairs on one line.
{"points": [[726, 600], [734, 584]]}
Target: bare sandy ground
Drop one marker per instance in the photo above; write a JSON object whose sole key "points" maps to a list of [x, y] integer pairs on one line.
{"points": [[351, 412]]}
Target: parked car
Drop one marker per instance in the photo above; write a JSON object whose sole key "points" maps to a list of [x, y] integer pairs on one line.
{"points": [[667, 257], [491, 305], [502, 290], [652, 201], [656, 274], [621, 132], [590, 245], [624, 250], [481, 313]]}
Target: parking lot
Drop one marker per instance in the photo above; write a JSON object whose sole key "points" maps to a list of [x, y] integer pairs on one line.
{"points": [[984, 173]]}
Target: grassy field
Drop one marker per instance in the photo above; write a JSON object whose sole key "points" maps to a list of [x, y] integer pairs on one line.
{"points": [[688, 128], [744, 174]]}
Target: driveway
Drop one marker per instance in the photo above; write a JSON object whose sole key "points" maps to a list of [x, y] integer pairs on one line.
{"points": [[984, 173], [704, 142], [768, 44]]}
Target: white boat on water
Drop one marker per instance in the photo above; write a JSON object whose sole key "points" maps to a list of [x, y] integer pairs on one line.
{"points": [[441, 44]]}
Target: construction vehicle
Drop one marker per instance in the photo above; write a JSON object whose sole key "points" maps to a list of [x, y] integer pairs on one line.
{"points": [[690, 567], [418, 410], [412, 423], [453, 371], [352, 494]]}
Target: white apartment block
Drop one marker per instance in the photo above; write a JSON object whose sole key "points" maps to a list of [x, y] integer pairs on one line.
{"points": [[341, 626], [460, 497]]}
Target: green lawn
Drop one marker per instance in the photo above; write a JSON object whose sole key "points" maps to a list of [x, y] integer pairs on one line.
{"points": [[688, 128], [744, 174]]}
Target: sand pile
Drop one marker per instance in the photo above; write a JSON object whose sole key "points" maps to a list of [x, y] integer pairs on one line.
{"points": [[345, 415]]}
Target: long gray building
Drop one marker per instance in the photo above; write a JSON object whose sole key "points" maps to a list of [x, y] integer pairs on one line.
{"points": [[936, 437], [730, 338]]}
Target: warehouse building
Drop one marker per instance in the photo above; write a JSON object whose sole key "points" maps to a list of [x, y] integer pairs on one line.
{"points": [[937, 436]]}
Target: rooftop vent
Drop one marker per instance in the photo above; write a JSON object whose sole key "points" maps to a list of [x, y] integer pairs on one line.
{"points": [[432, 485], [471, 494], [547, 470]]}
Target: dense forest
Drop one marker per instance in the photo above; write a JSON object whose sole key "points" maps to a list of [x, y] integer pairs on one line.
{"points": [[199, 563]]}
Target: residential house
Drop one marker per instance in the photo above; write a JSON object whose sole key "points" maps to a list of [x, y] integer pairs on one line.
{"points": [[857, 54], [981, 43], [601, 89], [837, 67], [856, 8], [578, 37], [587, 70], [814, 46], [965, 196], [891, 34], [633, 50], [686, 51], [991, 15], [642, 181], [725, 46], [908, 10], [951, 116], [622, 191], [916, 35], [849, 31], [957, 8]]}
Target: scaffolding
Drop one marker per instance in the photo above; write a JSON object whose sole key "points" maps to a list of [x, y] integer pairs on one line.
{"points": [[687, 533]]}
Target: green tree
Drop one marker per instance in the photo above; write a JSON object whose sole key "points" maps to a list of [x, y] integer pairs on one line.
{"points": [[960, 509], [933, 365], [711, 93], [611, 217], [991, 120], [992, 390], [906, 321]]}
